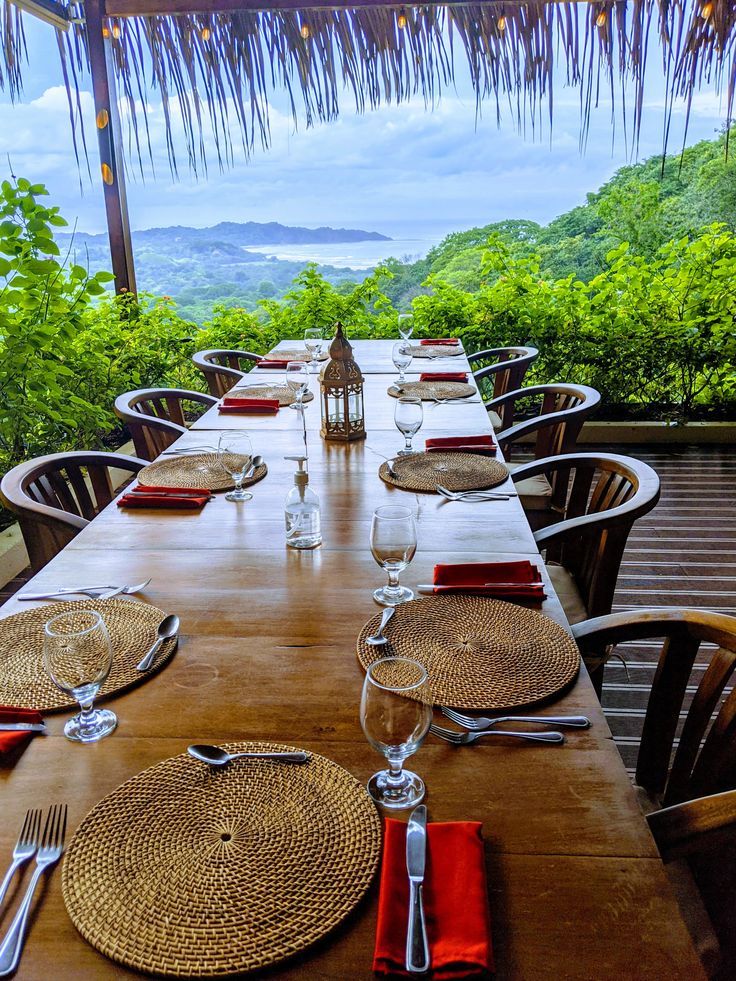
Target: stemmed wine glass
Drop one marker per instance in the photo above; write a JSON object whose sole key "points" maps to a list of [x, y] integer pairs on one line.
{"points": [[297, 378], [235, 454], [393, 545], [313, 344], [401, 357], [77, 655], [395, 713], [408, 416], [406, 325]]}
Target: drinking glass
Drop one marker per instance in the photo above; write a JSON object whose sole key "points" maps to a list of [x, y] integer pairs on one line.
{"points": [[393, 544], [77, 655], [395, 713], [297, 378], [408, 416], [235, 453], [401, 357], [406, 325], [313, 344]]}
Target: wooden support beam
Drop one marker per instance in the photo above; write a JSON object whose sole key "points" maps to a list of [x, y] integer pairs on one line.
{"points": [[109, 136], [162, 8]]}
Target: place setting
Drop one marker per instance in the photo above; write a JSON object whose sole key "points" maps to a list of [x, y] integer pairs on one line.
{"points": [[265, 398]]}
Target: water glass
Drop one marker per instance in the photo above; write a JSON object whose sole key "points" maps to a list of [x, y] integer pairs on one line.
{"points": [[395, 713], [401, 357], [235, 454], [77, 655], [393, 545], [313, 344], [408, 416], [297, 378], [406, 325]]}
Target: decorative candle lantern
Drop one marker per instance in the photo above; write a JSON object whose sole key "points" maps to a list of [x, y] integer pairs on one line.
{"points": [[341, 385]]}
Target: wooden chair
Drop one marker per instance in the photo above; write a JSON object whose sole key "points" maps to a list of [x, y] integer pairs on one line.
{"points": [[222, 369], [598, 497], [687, 764], [507, 373], [56, 496], [155, 416]]}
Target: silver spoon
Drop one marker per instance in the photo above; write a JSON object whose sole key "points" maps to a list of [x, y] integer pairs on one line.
{"points": [[168, 628], [377, 639], [254, 465], [218, 757]]}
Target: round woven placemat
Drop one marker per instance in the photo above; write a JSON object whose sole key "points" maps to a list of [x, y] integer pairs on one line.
{"points": [[296, 355], [197, 470], [435, 351], [281, 392], [480, 653], [455, 471], [23, 679], [195, 872], [432, 390]]}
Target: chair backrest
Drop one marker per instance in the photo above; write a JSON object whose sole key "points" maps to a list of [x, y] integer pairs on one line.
{"points": [[155, 417], [597, 497], [704, 760], [562, 410], [222, 369], [56, 496], [507, 373]]}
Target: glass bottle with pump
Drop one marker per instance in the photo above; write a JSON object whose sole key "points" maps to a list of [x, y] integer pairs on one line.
{"points": [[301, 510]]}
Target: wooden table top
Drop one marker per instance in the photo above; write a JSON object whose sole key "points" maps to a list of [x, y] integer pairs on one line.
{"points": [[267, 651]]}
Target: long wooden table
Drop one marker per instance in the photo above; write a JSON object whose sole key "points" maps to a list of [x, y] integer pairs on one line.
{"points": [[267, 651]]}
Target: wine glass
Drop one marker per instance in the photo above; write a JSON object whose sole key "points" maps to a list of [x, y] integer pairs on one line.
{"points": [[395, 713], [401, 357], [393, 544], [408, 416], [77, 655], [406, 325], [297, 378], [235, 454], [313, 344]]}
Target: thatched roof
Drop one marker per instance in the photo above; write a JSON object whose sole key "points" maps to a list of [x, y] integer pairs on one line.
{"points": [[218, 70]]}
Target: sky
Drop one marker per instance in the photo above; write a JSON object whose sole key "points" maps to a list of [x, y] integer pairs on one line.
{"points": [[390, 170]]}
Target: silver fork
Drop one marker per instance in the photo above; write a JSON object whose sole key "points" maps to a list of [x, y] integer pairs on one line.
{"points": [[463, 738], [94, 592], [477, 723], [49, 852], [24, 847], [471, 498]]}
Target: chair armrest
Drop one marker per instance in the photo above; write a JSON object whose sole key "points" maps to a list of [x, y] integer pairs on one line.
{"points": [[694, 826]]}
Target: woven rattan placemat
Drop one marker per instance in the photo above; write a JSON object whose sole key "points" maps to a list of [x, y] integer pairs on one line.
{"points": [[480, 653], [196, 470], [23, 678], [295, 355], [455, 471], [435, 351], [281, 392], [432, 390], [195, 872]]}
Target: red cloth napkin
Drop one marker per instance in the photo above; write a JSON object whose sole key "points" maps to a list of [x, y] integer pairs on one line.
{"points": [[482, 445], [449, 341], [455, 902], [10, 741], [177, 498], [272, 364], [443, 376], [519, 579], [262, 406]]}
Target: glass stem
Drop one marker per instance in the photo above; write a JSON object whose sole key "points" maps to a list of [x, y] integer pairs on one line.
{"points": [[239, 483], [393, 579], [395, 777], [86, 716], [408, 442]]}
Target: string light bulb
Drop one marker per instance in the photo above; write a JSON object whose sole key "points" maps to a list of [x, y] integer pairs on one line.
{"points": [[106, 32], [205, 33], [401, 20], [102, 118], [501, 23], [116, 31], [601, 19], [106, 174], [305, 31], [706, 10]]}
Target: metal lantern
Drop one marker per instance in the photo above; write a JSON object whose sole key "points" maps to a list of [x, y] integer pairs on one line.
{"points": [[341, 386]]}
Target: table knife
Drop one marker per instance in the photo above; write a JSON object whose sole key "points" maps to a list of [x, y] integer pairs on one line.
{"points": [[417, 948], [428, 588], [22, 727]]}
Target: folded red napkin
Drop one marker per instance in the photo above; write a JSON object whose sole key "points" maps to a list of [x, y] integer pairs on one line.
{"points": [[520, 579], [175, 491], [272, 364], [443, 376], [10, 741], [263, 406], [482, 445], [455, 902], [178, 498], [449, 341]]}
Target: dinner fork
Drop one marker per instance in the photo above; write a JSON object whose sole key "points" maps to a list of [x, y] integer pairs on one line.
{"points": [[464, 738], [25, 846], [94, 592], [49, 852], [478, 723]]}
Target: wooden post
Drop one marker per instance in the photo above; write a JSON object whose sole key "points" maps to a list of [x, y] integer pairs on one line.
{"points": [[109, 138]]}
